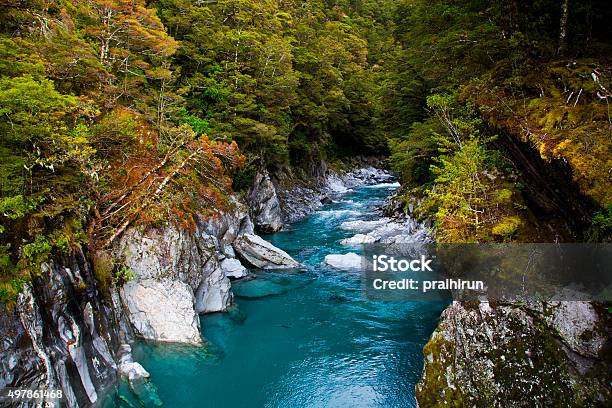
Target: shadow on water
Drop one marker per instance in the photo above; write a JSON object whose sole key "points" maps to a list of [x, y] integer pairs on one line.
{"points": [[302, 338]]}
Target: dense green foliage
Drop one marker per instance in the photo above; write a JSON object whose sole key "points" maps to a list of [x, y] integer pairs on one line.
{"points": [[115, 112], [522, 70], [293, 82], [111, 111], [93, 137]]}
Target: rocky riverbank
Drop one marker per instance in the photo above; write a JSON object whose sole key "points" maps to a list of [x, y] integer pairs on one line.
{"points": [[277, 201], [513, 354], [67, 331]]}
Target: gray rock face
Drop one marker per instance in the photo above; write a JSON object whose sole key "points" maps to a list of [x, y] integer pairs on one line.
{"points": [[128, 368], [203, 260], [512, 356], [162, 310], [60, 334], [299, 201], [264, 204], [19, 357], [170, 254], [214, 293], [225, 227], [261, 254], [576, 323], [232, 268]]}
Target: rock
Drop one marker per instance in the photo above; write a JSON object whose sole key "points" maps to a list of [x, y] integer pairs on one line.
{"points": [[162, 310], [127, 367], [232, 268], [186, 256], [518, 354], [403, 231], [326, 200], [363, 226], [60, 333], [387, 231], [71, 334], [347, 261], [167, 252], [340, 183], [374, 175], [261, 254], [401, 205], [264, 204], [214, 293], [204, 259], [336, 185], [358, 239], [225, 227], [576, 323], [299, 201], [364, 176]]}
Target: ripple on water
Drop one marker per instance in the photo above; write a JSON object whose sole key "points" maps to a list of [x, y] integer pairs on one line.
{"points": [[341, 381], [336, 214], [390, 186]]}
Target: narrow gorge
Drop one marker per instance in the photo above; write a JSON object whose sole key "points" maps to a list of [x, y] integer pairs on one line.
{"points": [[194, 193], [158, 339]]}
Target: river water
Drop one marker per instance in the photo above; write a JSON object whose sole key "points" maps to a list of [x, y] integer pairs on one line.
{"points": [[301, 339]]}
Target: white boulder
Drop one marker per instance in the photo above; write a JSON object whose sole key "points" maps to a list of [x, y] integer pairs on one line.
{"points": [[347, 261], [262, 254], [162, 310]]}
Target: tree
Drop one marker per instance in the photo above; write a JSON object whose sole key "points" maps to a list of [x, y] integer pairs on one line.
{"points": [[563, 27], [45, 136], [132, 43]]}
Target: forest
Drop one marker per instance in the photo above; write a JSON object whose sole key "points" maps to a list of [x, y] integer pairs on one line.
{"points": [[119, 112]]}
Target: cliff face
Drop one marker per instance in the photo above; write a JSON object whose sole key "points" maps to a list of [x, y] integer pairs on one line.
{"points": [[65, 332], [61, 334], [179, 274], [515, 355], [551, 354]]}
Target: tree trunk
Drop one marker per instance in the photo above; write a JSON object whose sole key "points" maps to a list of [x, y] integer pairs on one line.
{"points": [[563, 27], [146, 201]]}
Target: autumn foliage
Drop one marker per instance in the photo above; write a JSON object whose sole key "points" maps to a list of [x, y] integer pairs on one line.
{"points": [[91, 140]]}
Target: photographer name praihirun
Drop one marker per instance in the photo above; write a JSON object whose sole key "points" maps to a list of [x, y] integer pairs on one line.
{"points": [[386, 263]]}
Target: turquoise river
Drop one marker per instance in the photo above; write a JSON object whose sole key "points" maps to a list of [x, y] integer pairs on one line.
{"points": [[298, 339]]}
